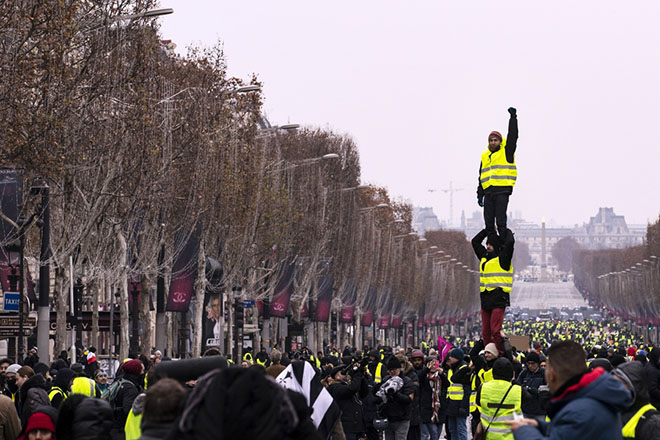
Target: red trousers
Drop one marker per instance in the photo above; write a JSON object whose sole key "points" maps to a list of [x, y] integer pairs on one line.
{"points": [[491, 327]]}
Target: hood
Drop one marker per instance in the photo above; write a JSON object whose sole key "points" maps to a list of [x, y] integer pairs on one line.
{"points": [[63, 378], [654, 356], [92, 419], [598, 385], [36, 381], [635, 373], [138, 404]]}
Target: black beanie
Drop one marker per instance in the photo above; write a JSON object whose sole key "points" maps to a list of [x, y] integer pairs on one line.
{"points": [[393, 363], [503, 369], [533, 357], [493, 239]]}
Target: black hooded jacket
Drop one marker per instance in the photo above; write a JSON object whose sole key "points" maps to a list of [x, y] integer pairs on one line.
{"points": [[62, 381], [33, 394], [652, 376], [496, 298], [648, 426]]}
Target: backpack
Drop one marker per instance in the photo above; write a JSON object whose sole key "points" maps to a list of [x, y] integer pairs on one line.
{"points": [[111, 392]]}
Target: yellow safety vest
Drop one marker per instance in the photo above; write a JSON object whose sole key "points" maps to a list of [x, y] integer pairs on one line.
{"points": [[84, 386], [54, 392], [473, 394], [631, 426], [132, 428], [494, 276], [262, 363], [485, 375], [455, 390], [317, 362], [489, 402], [496, 170], [247, 357], [378, 376]]}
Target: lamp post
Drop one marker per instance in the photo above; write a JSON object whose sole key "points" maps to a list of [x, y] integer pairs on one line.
{"points": [[43, 322], [13, 250], [77, 310]]}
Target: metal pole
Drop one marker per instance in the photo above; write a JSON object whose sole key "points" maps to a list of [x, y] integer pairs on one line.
{"points": [[43, 323], [77, 294], [21, 301], [161, 335], [135, 340], [112, 334]]}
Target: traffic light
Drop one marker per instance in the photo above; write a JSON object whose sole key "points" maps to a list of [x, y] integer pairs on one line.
{"points": [[240, 314]]}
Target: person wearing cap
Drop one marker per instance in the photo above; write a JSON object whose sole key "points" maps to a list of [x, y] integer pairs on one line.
{"points": [[61, 387], [347, 386], [495, 282], [458, 394], [641, 421], [131, 386], [399, 398], [498, 400], [101, 379], [11, 387], [39, 426], [530, 379], [497, 175], [92, 364]]}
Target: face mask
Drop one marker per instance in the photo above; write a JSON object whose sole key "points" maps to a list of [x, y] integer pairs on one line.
{"points": [[11, 381]]}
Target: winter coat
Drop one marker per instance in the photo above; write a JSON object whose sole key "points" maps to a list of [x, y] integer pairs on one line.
{"points": [[123, 403], [348, 396], [652, 376], [93, 418], [585, 407], [531, 383], [155, 430], [399, 406], [33, 394], [412, 374], [425, 396], [10, 424], [648, 427]]}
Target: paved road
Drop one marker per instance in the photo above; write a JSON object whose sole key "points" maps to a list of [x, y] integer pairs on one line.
{"points": [[545, 295]]}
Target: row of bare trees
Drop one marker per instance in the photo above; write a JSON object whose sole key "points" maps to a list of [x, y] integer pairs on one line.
{"points": [[625, 282], [139, 145]]}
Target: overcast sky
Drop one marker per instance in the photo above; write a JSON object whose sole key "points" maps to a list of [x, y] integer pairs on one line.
{"points": [[420, 84]]}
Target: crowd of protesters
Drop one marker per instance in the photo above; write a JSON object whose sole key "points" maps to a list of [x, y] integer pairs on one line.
{"points": [[589, 381]]}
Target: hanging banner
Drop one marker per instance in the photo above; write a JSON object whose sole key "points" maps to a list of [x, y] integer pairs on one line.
{"points": [[347, 313], [368, 314], [324, 298], [283, 291], [384, 321], [397, 322], [184, 271]]}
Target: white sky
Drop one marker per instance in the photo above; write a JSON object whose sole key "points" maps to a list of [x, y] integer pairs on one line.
{"points": [[420, 84]]}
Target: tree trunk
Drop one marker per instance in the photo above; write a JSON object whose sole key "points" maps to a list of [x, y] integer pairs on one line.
{"points": [[145, 315], [124, 341], [200, 287], [61, 295]]}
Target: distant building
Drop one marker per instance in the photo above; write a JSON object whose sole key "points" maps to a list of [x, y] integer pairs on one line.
{"points": [[605, 230], [424, 220]]}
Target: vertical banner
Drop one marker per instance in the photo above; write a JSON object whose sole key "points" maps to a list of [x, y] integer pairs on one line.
{"points": [[283, 291], [349, 297], [184, 271], [368, 313], [212, 335], [324, 298]]}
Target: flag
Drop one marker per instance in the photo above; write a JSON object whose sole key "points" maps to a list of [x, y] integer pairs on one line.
{"points": [[444, 347], [301, 377]]}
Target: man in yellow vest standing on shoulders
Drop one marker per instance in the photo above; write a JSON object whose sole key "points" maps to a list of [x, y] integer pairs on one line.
{"points": [[497, 175], [495, 283]]}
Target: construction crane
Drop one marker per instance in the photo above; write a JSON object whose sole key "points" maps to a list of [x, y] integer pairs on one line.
{"points": [[451, 190]]}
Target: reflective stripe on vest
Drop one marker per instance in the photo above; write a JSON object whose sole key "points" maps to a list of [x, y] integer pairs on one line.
{"points": [[491, 402], [631, 426], [247, 357], [378, 376], [494, 276], [496, 170], [262, 363], [455, 390], [473, 394]]}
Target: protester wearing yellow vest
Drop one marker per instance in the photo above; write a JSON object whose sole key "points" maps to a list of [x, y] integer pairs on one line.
{"points": [[641, 421], [497, 175], [61, 386], [498, 400], [495, 283], [458, 394]]}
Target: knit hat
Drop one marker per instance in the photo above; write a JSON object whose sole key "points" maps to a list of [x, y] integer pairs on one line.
{"points": [[13, 368], [91, 357], [78, 368], [496, 134], [41, 368], [492, 349], [133, 366], [503, 369], [457, 354], [533, 357], [493, 239], [393, 363], [417, 354], [40, 420], [632, 351]]}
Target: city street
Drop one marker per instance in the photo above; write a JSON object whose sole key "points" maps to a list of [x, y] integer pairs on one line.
{"points": [[545, 295]]}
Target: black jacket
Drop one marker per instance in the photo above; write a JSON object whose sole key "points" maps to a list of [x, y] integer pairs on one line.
{"points": [[123, 402], [399, 406], [425, 396], [531, 383], [155, 430], [414, 413], [33, 394], [348, 396], [497, 298], [92, 420], [648, 426], [511, 145], [652, 376]]}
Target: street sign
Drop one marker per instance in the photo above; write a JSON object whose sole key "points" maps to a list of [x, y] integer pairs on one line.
{"points": [[11, 301], [13, 322], [248, 302], [13, 332]]}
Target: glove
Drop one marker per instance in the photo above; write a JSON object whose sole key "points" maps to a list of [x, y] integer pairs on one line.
{"points": [[480, 201], [512, 111]]}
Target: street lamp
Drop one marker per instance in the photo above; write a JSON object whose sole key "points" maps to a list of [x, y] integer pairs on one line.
{"points": [[245, 89], [135, 341]]}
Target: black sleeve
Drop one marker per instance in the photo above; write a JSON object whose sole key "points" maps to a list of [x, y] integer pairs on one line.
{"points": [[480, 189], [479, 250], [130, 393], [512, 139], [652, 379], [506, 254]]}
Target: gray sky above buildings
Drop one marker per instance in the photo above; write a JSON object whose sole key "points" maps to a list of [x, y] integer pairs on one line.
{"points": [[420, 84]]}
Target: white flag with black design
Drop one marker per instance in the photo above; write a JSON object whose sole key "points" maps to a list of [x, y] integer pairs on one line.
{"points": [[301, 377]]}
